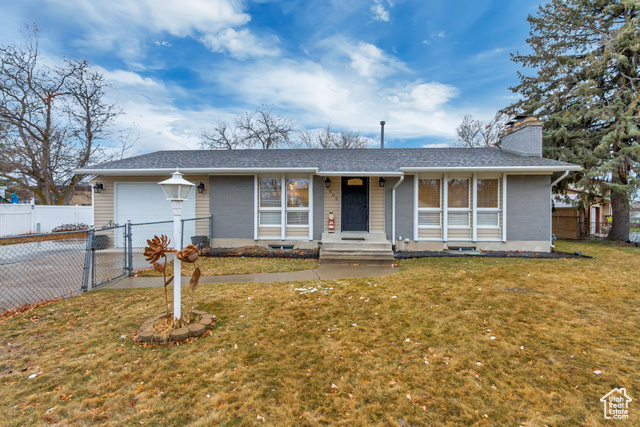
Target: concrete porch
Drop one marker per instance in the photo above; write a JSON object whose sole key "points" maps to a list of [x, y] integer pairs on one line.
{"points": [[355, 247]]}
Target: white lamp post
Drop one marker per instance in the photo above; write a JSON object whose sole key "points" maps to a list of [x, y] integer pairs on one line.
{"points": [[177, 190]]}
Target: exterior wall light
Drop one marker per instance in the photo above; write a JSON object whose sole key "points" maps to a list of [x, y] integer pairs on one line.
{"points": [[98, 188], [200, 187], [327, 182], [381, 182]]}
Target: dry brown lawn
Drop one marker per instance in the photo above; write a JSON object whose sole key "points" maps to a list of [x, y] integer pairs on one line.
{"points": [[221, 266], [417, 346]]}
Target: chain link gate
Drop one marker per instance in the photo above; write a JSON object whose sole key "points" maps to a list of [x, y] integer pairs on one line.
{"points": [[108, 256]]}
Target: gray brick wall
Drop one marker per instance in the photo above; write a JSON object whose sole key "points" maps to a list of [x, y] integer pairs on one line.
{"points": [[528, 207], [231, 204], [318, 207], [526, 141]]}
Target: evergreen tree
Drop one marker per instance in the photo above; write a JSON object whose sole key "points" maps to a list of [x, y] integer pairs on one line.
{"points": [[585, 55]]}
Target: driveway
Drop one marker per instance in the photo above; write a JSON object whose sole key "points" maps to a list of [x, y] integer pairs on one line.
{"points": [[37, 271]]}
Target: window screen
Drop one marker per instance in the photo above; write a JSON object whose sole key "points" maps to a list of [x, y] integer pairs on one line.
{"points": [[297, 218], [270, 193], [488, 193], [270, 218], [429, 193], [488, 219], [458, 196], [458, 219], [431, 219], [297, 193]]}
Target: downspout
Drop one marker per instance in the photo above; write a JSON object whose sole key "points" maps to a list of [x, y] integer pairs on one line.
{"points": [[553, 184], [393, 211]]}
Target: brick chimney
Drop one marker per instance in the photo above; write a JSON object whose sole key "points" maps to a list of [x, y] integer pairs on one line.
{"points": [[523, 136]]}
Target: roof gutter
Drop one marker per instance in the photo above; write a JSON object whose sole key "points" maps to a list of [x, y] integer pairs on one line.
{"points": [[355, 173], [559, 168], [393, 211], [553, 184]]}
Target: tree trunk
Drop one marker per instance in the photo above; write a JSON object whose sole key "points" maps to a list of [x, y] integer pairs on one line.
{"points": [[620, 212]]}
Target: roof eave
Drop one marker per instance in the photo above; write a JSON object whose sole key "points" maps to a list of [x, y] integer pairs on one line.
{"points": [[189, 171]]}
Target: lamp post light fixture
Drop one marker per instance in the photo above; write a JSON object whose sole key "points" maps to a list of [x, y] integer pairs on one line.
{"points": [[327, 182], [98, 188], [177, 190], [381, 182]]}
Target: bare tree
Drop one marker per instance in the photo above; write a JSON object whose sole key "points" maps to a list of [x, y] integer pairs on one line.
{"points": [[220, 136], [476, 133], [54, 120], [263, 129], [257, 129], [468, 131], [492, 130], [327, 138]]}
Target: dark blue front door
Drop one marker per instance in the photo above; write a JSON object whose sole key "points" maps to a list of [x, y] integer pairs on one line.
{"points": [[355, 204]]}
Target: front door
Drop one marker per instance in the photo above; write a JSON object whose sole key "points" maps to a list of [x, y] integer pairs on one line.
{"points": [[355, 204]]}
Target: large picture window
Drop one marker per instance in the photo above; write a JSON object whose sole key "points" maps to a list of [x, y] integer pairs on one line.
{"points": [[283, 202]]}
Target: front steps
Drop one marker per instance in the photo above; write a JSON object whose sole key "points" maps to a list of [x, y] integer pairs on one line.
{"points": [[356, 248]]}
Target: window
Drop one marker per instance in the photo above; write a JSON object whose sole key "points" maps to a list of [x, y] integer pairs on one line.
{"points": [[429, 219], [283, 202], [298, 218], [297, 193], [458, 193], [429, 193], [488, 193], [270, 193], [270, 218], [488, 219], [458, 219]]}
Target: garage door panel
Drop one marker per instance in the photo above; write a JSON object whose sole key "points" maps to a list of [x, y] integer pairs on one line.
{"points": [[146, 202]]}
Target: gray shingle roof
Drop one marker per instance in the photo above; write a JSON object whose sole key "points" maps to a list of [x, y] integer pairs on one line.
{"points": [[356, 160]]}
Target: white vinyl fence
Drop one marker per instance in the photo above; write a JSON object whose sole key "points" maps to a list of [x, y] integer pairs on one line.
{"points": [[17, 219]]}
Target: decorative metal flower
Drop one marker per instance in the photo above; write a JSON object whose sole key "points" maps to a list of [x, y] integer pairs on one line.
{"points": [[188, 254], [157, 248]]}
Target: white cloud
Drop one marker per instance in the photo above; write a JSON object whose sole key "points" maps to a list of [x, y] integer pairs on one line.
{"points": [[379, 12], [365, 59], [488, 54], [124, 25], [316, 95], [239, 44], [437, 145], [438, 34], [125, 78]]}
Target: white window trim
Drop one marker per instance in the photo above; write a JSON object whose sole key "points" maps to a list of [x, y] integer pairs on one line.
{"points": [[473, 209]]}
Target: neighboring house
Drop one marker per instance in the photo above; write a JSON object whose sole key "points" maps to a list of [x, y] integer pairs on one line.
{"points": [[409, 199], [572, 222]]}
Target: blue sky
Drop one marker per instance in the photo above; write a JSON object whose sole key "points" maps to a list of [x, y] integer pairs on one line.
{"points": [[177, 65]]}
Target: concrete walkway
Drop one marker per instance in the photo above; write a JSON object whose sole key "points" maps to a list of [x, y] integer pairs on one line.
{"points": [[323, 272]]}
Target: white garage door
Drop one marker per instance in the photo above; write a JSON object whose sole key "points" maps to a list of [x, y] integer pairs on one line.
{"points": [[145, 202]]}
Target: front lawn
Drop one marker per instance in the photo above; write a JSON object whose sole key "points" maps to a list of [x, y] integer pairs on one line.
{"points": [[219, 266], [456, 341]]}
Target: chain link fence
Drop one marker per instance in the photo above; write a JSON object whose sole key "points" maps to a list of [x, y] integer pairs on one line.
{"points": [[41, 267]]}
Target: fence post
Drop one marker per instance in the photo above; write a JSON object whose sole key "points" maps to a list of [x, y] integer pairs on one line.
{"points": [[87, 261], [129, 245]]}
